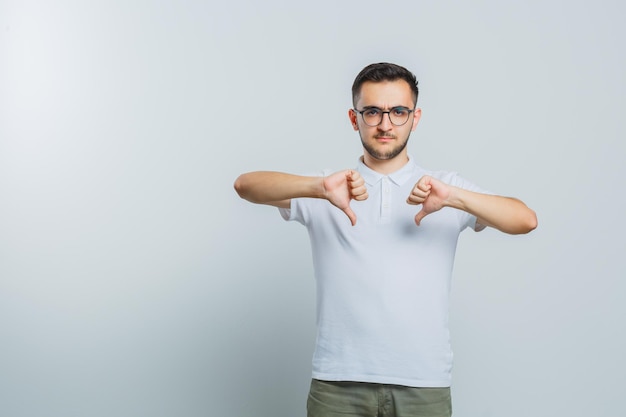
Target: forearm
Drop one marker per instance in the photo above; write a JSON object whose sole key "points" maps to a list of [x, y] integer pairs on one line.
{"points": [[506, 214], [265, 187]]}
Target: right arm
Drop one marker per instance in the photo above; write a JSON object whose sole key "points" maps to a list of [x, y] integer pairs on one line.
{"points": [[277, 189]]}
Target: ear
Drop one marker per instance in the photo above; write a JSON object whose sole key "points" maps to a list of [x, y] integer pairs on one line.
{"points": [[417, 114], [353, 119]]}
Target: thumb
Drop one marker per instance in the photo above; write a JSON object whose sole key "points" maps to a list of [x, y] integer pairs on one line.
{"points": [[419, 216], [350, 215]]}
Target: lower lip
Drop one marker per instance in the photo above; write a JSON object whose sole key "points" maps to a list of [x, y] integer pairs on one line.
{"points": [[384, 140]]}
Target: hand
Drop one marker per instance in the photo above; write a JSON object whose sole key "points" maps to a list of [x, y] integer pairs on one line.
{"points": [[343, 186], [432, 194]]}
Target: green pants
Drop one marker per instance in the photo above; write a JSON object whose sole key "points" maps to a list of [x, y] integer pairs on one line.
{"points": [[359, 399]]}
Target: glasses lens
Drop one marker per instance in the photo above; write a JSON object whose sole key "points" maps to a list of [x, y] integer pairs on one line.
{"points": [[399, 116], [372, 117]]}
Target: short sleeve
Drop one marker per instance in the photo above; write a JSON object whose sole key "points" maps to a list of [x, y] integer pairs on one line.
{"points": [[295, 212]]}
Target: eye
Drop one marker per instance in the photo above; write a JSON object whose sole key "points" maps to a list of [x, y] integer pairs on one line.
{"points": [[371, 112], [400, 111]]}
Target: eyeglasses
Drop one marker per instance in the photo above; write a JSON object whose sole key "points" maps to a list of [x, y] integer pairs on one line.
{"points": [[373, 116]]}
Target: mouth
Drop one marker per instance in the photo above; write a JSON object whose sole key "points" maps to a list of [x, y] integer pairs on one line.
{"points": [[384, 139]]}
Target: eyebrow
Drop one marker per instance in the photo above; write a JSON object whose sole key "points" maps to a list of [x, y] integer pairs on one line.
{"points": [[390, 108]]}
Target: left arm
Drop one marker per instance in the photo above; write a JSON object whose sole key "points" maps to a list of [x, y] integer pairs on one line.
{"points": [[506, 214]]}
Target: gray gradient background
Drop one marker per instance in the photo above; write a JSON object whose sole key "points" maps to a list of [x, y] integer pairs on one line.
{"points": [[134, 282]]}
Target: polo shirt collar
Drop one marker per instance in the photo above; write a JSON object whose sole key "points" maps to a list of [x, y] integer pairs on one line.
{"points": [[398, 177]]}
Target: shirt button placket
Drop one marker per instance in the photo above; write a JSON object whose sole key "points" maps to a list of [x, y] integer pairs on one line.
{"points": [[385, 209]]}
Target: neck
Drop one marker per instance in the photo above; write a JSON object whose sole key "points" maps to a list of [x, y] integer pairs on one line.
{"points": [[385, 166]]}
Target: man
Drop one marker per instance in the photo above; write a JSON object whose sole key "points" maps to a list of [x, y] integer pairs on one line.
{"points": [[383, 273]]}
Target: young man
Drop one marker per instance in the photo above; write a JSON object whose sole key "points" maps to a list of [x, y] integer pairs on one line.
{"points": [[383, 237]]}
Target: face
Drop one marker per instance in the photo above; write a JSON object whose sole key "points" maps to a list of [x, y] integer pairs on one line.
{"points": [[385, 141]]}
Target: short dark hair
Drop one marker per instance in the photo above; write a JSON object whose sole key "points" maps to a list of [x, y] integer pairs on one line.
{"points": [[383, 71]]}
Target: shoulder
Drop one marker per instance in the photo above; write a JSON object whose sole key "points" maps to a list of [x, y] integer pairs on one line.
{"points": [[449, 177], [455, 179]]}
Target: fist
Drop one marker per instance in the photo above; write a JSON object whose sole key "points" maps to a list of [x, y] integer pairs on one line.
{"points": [[431, 194]]}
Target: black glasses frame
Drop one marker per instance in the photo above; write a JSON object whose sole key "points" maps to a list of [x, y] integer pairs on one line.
{"points": [[382, 115]]}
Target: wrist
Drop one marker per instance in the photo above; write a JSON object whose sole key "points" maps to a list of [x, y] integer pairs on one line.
{"points": [[318, 188], [456, 198]]}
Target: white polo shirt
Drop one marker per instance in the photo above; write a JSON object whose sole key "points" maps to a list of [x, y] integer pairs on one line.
{"points": [[383, 285]]}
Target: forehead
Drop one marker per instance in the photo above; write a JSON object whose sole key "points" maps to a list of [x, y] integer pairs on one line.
{"points": [[385, 94]]}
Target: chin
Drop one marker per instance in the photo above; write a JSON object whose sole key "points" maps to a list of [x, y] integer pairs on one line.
{"points": [[386, 154]]}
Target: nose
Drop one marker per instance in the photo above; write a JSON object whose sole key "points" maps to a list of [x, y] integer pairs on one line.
{"points": [[385, 124]]}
